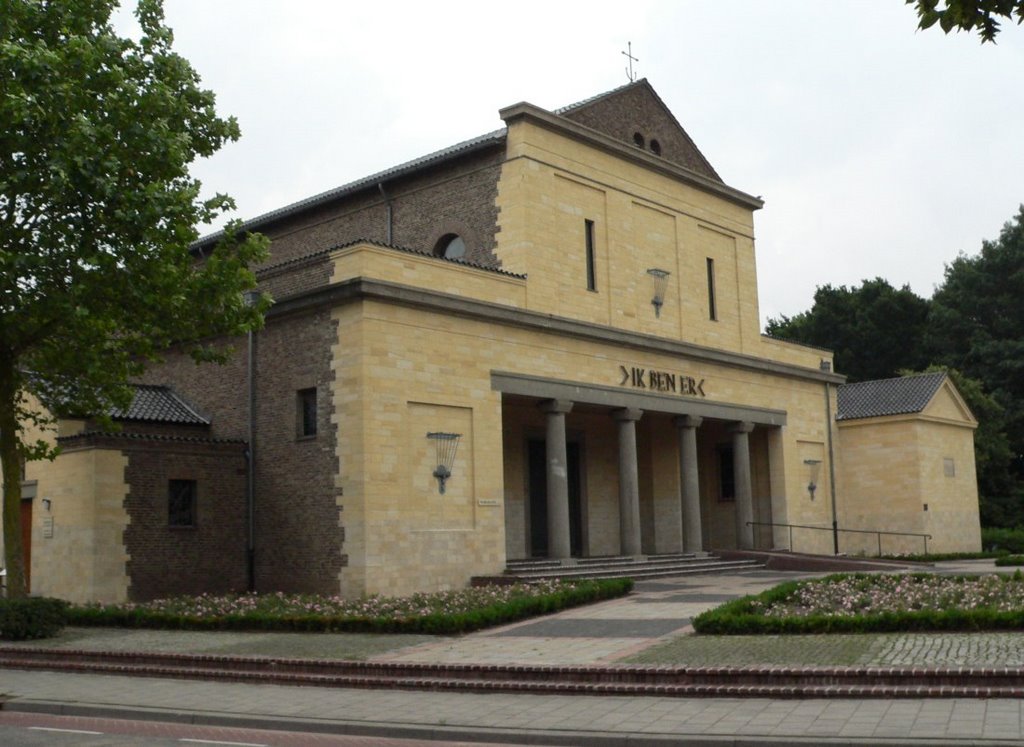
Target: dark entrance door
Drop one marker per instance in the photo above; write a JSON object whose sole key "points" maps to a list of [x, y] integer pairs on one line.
{"points": [[538, 486]]}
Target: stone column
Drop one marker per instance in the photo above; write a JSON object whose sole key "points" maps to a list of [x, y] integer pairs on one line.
{"points": [[558, 479], [689, 488], [629, 481], [744, 494]]}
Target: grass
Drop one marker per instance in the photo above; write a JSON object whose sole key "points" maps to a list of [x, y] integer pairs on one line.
{"points": [[863, 603], [444, 613]]}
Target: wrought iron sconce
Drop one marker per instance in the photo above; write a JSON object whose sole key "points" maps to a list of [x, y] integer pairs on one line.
{"points": [[813, 468], [445, 446], [660, 283]]}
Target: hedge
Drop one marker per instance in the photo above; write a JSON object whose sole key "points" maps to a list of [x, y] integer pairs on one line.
{"points": [[438, 623]]}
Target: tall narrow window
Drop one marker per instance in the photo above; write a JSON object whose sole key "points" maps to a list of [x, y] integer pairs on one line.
{"points": [[181, 503], [712, 311], [591, 270], [306, 413]]}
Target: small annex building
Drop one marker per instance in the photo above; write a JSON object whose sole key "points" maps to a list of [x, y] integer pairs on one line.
{"points": [[542, 342]]}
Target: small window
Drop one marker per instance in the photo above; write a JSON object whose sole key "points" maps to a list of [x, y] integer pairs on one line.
{"points": [[655, 147], [588, 227], [181, 503], [726, 474], [712, 311], [949, 467], [306, 413], [450, 246], [638, 139]]}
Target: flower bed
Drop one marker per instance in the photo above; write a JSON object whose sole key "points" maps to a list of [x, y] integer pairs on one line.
{"points": [[851, 603], [441, 613]]}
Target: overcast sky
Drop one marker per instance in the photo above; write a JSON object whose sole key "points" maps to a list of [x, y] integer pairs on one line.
{"points": [[879, 150]]}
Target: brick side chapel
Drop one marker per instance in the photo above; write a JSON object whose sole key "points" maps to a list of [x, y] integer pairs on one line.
{"points": [[542, 342]]}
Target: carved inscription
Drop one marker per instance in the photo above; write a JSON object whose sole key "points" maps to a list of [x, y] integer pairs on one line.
{"points": [[661, 381]]}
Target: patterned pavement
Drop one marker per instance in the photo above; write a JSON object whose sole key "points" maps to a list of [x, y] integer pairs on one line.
{"points": [[656, 615]]}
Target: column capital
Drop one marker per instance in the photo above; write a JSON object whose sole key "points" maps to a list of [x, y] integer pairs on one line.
{"points": [[687, 421], [742, 426], [556, 406], [627, 413]]}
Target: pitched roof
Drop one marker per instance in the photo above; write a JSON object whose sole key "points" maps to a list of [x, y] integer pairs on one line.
{"points": [[900, 396], [159, 404], [467, 146], [472, 145]]}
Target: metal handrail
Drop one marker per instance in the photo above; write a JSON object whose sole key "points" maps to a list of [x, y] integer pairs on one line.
{"points": [[878, 532]]}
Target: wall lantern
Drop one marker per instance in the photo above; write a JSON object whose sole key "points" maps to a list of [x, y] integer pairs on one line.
{"points": [[813, 469], [445, 445], [660, 283]]}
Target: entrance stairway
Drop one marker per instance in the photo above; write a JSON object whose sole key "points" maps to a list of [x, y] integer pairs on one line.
{"points": [[615, 566]]}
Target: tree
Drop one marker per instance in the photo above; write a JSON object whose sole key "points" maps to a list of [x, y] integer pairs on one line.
{"points": [[968, 15], [874, 329], [977, 326], [97, 216]]}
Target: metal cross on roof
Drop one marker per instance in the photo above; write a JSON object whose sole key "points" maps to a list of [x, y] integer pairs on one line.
{"points": [[629, 71]]}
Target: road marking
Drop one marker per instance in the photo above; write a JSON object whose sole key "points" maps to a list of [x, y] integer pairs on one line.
{"points": [[66, 731], [217, 741]]}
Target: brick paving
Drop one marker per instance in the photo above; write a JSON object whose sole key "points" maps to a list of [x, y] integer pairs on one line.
{"points": [[652, 620]]}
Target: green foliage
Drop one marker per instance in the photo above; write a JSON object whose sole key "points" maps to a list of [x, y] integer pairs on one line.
{"points": [[938, 557], [434, 622], [97, 216], [972, 328], [31, 617], [1003, 540], [976, 325], [968, 15], [748, 616], [874, 329], [1004, 560]]}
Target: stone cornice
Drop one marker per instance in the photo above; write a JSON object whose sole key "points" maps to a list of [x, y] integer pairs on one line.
{"points": [[358, 289], [543, 118]]}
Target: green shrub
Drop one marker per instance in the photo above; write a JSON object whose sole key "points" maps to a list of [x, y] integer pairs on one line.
{"points": [[1001, 540], [1010, 560], [31, 617], [276, 613], [937, 557], [856, 603]]}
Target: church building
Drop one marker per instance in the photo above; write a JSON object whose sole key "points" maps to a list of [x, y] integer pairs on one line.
{"points": [[541, 342]]}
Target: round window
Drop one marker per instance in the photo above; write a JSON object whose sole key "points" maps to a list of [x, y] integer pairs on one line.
{"points": [[451, 246]]}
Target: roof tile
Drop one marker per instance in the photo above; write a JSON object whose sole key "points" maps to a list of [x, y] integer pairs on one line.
{"points": [[900, 396]]}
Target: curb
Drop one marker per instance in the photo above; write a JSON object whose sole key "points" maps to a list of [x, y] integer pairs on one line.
{"points": [[454, 733]]}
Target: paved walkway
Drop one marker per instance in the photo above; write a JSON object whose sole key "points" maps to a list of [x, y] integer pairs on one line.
{"points": [[653, 621]]}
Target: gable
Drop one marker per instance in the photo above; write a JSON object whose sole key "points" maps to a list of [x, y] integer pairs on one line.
{"points": [[947, 404], [636, 109]]}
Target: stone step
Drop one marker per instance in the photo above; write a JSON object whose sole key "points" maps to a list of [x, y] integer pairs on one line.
{"points": [[610, 560], [652, 566], [757, 681], [636, 570]]}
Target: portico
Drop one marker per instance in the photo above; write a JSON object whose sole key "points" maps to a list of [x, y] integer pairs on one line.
{"points": [[643, 478]]}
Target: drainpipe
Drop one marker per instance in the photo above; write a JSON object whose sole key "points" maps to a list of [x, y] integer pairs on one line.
{"points": [[827, 366], [387, 203], [251, 299]]}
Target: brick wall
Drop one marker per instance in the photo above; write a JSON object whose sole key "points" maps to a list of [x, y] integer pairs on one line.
{"points": [[298, 530], [209, 557], [458, 196], [638, 109]]}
